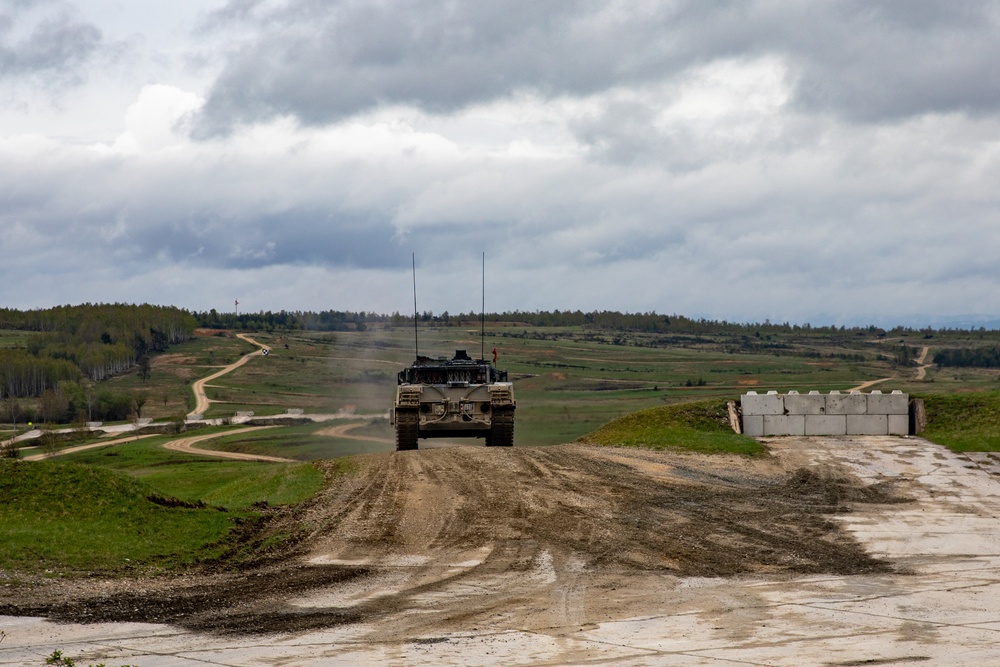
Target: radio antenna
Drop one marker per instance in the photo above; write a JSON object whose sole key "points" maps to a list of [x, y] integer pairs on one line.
{"points": [[416, 338], [482, 315]]}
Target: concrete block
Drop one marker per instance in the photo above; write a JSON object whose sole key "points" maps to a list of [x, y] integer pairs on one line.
{"points": [[867, 425], [846, 404], [753, 425], [826, 424], [898, 424], [757, 404], [784, 424], [888, 404], [811, 404]]}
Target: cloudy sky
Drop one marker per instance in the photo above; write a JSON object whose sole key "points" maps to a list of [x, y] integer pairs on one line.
{"points": [[834, 162]]}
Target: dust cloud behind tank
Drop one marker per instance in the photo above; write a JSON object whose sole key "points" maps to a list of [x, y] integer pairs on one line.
{"points": [[453, 398]]}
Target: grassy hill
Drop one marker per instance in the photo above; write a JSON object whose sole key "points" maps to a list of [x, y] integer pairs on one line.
{"points": [[60, 516], [964, 422], [701, 426], [70, 518]]}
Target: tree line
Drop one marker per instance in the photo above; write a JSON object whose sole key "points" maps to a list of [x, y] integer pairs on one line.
{"points": [[285, 320], [647, 322], [69, 401], [980, 357]]}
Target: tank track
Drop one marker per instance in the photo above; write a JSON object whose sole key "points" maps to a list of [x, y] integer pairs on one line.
{"points": [[407, 428], [502, 430]]}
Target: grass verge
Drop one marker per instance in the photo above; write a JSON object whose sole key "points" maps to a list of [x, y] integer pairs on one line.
{"points": [[966, 422], [701, 426]]}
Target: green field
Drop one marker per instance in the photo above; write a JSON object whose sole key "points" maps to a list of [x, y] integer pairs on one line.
{"points": [[10, 338], [308, 442], [569, 381]]}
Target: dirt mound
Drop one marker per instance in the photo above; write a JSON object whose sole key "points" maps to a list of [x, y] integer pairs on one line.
{"points": [[472, 535]]}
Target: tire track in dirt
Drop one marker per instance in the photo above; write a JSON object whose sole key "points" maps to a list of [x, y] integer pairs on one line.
{"points": [[472, 533], [437, 541]]}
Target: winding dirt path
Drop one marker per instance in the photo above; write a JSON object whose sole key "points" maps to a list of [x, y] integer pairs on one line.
{"points": [[93, 445], [202, 400], [921, 372], [922, 365], [187, 445], [870, 383]]}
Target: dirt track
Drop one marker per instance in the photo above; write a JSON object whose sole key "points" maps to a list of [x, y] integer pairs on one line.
{"points": [[82, 448], [187, 445], [202, 401], [441, 540]]}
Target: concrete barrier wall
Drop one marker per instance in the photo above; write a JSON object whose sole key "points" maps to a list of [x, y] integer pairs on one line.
{"points": [[825, 414]]}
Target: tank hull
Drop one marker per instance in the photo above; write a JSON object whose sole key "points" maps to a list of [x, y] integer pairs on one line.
{"points": [[458, 398]]}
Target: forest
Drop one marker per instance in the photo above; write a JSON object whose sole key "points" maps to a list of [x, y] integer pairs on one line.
{"points": [[76, 346], [979, 357]]}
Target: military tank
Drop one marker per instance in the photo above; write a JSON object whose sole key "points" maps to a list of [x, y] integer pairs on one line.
{"points": [[453, 398]]}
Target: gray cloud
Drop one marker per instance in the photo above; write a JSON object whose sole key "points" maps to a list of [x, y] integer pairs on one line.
{"points": [[735, 160], [51, 45], [297, 236], [323, 61], [877, 61]]}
